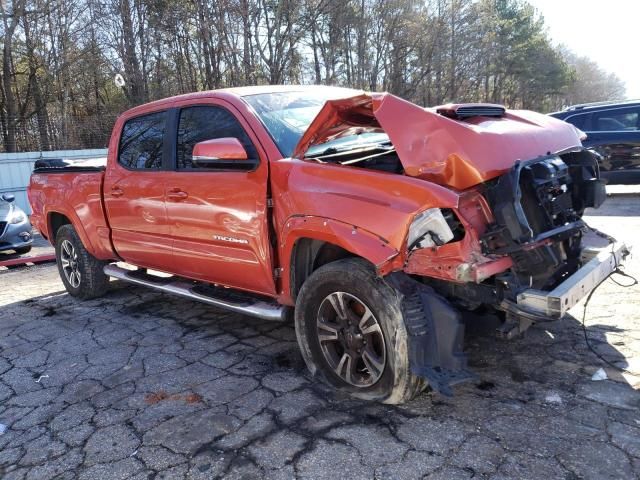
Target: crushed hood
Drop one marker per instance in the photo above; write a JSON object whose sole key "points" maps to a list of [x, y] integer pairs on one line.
{"points": [[456, 153]]}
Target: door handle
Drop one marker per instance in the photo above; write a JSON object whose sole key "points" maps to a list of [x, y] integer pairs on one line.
{"points": [[177, 194], [116, 191]]}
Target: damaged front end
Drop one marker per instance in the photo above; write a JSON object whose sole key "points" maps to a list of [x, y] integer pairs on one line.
{"points": [[557, 258], [515, 244], [526, 254]]}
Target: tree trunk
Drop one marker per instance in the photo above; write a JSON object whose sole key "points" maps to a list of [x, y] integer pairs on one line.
{"points": [[40, 104], [135, 87], [7, 72]]}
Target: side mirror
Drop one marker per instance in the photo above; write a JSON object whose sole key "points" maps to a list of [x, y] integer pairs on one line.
{"points": [[223, 154], [8, 197]]}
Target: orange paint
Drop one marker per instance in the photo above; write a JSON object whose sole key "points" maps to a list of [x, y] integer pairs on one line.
{"points": [[236, 228]]}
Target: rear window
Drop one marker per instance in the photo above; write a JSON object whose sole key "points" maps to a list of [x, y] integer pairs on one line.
{"points": [[141, 142]]}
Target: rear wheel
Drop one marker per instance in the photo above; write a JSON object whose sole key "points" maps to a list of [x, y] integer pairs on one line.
{"points": [[81, 273], [352, 335]]}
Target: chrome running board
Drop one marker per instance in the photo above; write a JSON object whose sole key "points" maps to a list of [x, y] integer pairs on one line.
{"points": [[227, 299]]}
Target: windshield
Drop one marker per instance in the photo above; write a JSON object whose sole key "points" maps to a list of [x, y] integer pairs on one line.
{"points": [[287, 116]]}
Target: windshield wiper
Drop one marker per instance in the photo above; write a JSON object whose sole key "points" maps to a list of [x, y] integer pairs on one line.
{"points": [[368, 157], [335, 152]]}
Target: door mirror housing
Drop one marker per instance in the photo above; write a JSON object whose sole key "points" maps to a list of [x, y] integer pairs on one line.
{"points": [[8, 197], [222, 154]]}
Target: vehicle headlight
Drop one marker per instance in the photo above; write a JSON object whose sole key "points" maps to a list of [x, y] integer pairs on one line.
{"points": [[428, 229], [17, 217]]}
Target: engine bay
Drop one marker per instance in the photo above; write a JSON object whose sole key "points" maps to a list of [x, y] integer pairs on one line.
{"points": [[382, 157]]}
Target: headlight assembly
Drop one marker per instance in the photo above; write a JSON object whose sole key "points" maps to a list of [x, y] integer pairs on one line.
{"points": [[17, 217], [428, 229]]}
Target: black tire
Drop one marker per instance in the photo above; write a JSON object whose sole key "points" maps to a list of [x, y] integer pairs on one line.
{"points": [[357, 279], [23, 250], [87, 279]]}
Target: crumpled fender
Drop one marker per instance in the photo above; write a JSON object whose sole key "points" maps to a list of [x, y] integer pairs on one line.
{"points": [[349, 237], [366, 212], [384, 204]]}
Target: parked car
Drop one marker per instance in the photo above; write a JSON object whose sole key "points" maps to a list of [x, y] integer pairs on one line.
{"points": [[15, 227], [613, 130], [374, 222]]}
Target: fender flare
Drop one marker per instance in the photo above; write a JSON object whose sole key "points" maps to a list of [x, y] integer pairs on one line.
{"points": [[351, 238], [75, 222]]}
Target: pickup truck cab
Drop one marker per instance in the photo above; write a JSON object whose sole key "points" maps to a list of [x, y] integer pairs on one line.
{"points": [[377, 224]]}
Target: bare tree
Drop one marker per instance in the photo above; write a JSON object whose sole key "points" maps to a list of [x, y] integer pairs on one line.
{"points": [[10, 21], [59, 57]]}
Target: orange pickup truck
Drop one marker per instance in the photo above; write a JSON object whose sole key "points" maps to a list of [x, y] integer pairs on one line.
{"points": [[378, 225]]}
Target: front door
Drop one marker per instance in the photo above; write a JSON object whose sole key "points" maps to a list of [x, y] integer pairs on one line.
{"points": [[218, 216], [134, 189]]}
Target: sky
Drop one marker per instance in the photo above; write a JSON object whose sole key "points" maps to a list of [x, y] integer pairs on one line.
{"points": [[607, 31]]}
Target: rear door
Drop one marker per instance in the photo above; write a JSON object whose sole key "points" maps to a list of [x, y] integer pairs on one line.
{"points": [[615, 134], [134, 193], [218, 216]]}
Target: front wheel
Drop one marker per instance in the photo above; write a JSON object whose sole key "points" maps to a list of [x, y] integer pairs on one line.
{"points": [[352, 335], [81, 273]]}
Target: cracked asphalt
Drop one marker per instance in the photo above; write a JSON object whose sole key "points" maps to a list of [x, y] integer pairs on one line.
{"points": [[143, 385]]}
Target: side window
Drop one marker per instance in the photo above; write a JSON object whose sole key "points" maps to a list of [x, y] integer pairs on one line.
{"points": [[141, 142], [201, 123], [617, 120], [580, 121]]}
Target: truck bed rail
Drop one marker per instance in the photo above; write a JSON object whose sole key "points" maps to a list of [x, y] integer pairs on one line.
{"points": [[61, 165]]}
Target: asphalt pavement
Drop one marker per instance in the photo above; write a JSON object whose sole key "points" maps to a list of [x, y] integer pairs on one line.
{"points": [[143, 385]]}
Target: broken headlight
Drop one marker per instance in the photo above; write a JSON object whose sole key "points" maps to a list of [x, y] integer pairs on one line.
{"points": [[428, 229]]}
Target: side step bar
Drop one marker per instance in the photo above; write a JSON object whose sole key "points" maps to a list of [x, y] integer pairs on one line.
{"points": [[220, 297]]}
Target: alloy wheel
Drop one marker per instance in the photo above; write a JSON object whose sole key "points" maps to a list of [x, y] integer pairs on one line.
{"points": [[351, 339], [69, 261]]}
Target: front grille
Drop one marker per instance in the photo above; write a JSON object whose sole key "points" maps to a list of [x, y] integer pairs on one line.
{"points": [[531, 202], [535, 221], [546, 195]]}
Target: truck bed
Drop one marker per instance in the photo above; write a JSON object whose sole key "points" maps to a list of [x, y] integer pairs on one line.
{"points": [[73, 190]]}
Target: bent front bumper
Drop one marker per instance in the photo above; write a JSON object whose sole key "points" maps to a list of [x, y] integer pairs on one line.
{"points": [[597, 265]]}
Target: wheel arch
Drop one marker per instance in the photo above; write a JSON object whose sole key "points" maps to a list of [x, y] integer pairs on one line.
{"points": [[310, 242], [308, 255], [95, 237], [55, 220]]}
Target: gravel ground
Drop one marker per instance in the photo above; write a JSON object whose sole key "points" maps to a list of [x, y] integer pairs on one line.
{"points": [[143, 385]]}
